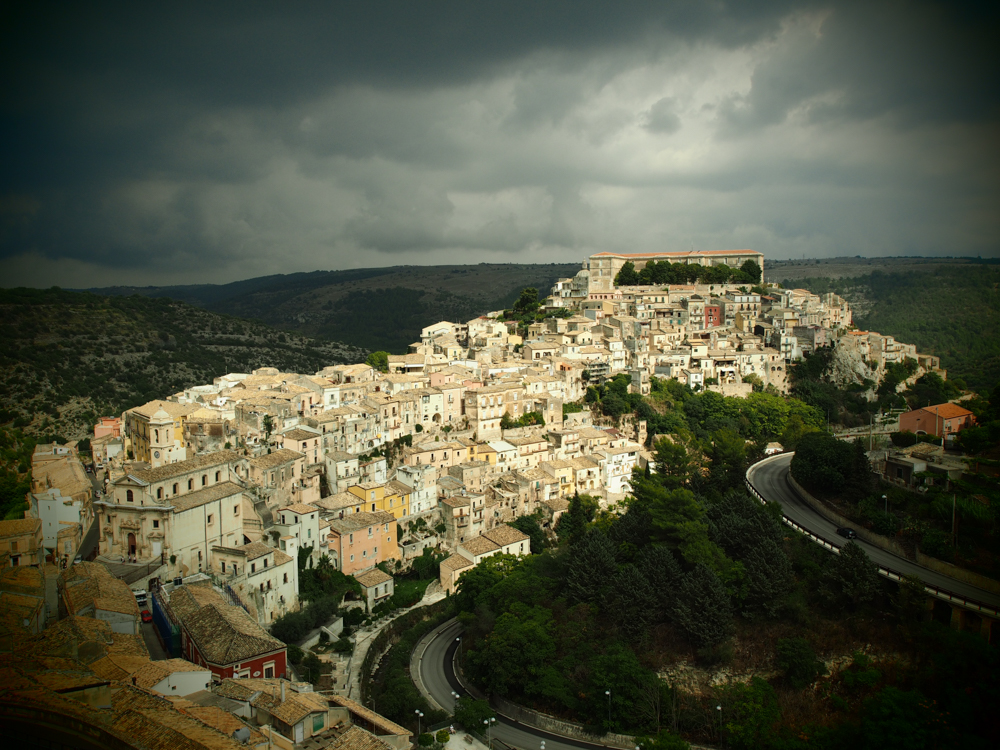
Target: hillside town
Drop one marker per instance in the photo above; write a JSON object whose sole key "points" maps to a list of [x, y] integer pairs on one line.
{"points": [[207, 503]]}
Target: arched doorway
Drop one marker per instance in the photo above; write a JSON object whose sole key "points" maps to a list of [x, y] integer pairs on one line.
{"points": [[131, 543]]}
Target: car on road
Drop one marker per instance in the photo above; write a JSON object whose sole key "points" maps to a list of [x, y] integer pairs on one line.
{"points": [[146, 616], [847, 533]]}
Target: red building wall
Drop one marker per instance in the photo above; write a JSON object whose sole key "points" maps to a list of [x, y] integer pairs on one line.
{"points": [[224, 671], [713, 316]]}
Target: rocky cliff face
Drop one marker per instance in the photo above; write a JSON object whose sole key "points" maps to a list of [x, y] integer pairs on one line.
{"points": [[847, 367]]}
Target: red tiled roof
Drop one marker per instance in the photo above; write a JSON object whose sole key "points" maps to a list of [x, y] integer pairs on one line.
{"points": [[946, 411]]}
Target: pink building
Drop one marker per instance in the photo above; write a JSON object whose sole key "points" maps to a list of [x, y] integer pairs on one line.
{"points": [[108, 426], [941, 420]]}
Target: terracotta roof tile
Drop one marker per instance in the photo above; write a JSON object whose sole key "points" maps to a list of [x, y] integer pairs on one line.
{"points": [[356, 738], [204, 461], [373, 578], [226, 634]]}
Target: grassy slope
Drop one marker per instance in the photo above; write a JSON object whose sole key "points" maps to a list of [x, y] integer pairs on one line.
{"points": [[375, 308], [67, 357], [952, 312]]}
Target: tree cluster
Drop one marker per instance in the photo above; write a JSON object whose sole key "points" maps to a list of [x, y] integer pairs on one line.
{"points": [[665, 272]]}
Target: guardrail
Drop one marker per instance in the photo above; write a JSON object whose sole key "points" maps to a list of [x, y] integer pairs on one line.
{"points": [[973, 605]]}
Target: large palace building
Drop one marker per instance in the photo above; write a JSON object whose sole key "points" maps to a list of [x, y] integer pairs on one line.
{"points": [[605, 266]]}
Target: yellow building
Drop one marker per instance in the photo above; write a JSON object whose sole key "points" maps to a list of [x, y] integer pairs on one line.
{"points": [[393, 497]]}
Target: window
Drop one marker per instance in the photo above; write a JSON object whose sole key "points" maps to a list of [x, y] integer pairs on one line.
{"points": [[350, 538], [209, 519], [204, 479], [369, 532], [129, 496], [309, 533], [265, 562], [253, 567], [373, 507], [262, 588], [175, 487], [156, 524], [269, 670], [364, 553], [236, 510], [190, 484], [235, 569], [286, 578], [223, 566], [199, 555], [13, 546], [218, 475], [109, 519]]}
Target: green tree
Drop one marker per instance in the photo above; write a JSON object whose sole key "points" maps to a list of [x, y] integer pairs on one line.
{"points": [[852, 579], [529, 525], [517, 652], [749, 714], [663, 574], [798, 661], [632, 605], [573, 523], [795, 430], [729, 460], [702, 609], [528, 301], [752, 271], [591, 567], [268, 426], [674, 466], [379, 360], [627, 275], [471, 713]]}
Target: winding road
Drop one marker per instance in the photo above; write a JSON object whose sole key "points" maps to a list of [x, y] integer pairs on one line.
{"points": [[438, 677], [769, 479]]}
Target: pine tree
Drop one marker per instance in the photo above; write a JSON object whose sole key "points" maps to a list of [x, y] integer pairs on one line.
{"points": [[852, 579], [631, 602], [663, 574], [702, 609], [591, 566]]}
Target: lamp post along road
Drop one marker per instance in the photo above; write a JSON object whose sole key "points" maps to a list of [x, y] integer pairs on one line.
{"points": [[420, 715], [608, 693]]}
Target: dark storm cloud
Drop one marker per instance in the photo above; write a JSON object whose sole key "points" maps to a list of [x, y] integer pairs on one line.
{"points": [[915, 63], [210, 141]]}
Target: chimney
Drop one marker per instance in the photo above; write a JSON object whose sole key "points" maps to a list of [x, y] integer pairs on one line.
{"points": [[282, 691]]}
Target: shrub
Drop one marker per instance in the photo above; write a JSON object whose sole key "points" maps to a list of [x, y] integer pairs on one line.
{"points": [[295, 654], [798, 661], [425, 740], [443, 736]]}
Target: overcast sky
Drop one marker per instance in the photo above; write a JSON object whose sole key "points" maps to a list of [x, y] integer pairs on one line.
{"points": [[163, 143]]}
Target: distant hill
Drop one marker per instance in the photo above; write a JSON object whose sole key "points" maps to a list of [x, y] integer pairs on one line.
{"points": [[372, 308], [951, 311], [68, 357]]}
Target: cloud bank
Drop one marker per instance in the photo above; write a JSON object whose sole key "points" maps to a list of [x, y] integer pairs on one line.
{"points": [[211, 142]]}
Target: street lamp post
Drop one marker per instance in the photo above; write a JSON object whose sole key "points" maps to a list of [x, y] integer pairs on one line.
{"points": [[608, 693], [719, 709], [420, 715], [489, 725]]}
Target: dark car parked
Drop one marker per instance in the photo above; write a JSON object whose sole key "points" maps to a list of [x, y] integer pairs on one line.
{"points": [[847, 533]]}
